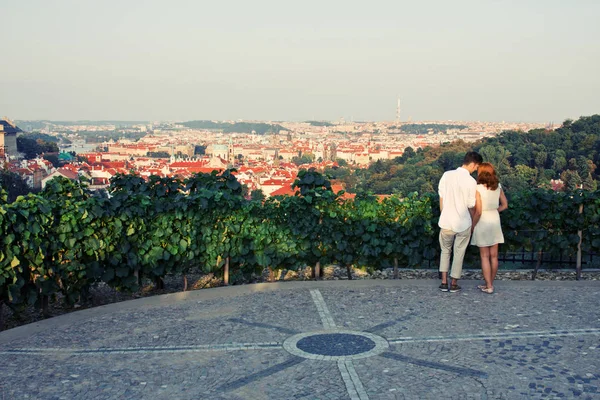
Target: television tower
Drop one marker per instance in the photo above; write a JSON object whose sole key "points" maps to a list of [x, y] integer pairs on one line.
{"points": [[398, 112]]}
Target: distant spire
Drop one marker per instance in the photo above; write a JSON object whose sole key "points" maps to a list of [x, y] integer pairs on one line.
{"points": [[230, 151]]}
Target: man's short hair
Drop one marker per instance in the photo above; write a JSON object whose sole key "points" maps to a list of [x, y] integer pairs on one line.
{"points": [[472, 157]]}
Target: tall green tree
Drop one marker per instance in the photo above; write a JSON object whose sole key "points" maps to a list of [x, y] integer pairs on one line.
{"points": [[14, 185]]}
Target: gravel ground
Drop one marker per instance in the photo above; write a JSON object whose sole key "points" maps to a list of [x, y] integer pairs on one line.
{"points": [[103, 294]]}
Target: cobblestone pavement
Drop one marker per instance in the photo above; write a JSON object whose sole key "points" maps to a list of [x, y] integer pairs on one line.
{"points": [[360, 340]]}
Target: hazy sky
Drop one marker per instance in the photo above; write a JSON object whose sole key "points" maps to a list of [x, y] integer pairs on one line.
{"points": [[513, 60]]}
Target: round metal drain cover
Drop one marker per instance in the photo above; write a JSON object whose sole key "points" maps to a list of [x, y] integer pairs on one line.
{"points": [[335, 345]]}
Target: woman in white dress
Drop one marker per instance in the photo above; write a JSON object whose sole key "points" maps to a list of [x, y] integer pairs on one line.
{"points": [[487, 232]]}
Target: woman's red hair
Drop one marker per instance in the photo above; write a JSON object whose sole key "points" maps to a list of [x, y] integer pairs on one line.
{"points": [[486, 175]]}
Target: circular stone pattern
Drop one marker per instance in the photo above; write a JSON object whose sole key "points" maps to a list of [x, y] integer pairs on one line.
{"points": [[335, 345]]}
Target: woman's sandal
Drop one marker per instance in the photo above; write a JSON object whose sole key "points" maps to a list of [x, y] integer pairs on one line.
{"points": [[481, 287], [488, 290]]}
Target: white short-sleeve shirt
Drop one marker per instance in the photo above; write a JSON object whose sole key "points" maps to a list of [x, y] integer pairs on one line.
{"points": [[457, 189]]}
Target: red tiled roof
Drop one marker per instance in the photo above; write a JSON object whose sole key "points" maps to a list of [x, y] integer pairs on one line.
{"points": [[284, 191], [67, 173], [207, 170], [23, 171], [273, 182], [336, 187], [187, 164], [114, 164]]}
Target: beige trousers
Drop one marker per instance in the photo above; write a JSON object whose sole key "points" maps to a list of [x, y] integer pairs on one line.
{"points": [[458, 240]]}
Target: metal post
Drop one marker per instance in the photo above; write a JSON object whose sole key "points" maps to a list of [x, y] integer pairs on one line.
{"points": [[580, 234], [226, 272], [537, 265]]}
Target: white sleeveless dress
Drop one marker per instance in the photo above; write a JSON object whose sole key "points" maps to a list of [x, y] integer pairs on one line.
{"points": [[488, 231]]}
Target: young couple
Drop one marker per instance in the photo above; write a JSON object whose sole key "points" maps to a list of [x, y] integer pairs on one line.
{"points": [[470, 210]]}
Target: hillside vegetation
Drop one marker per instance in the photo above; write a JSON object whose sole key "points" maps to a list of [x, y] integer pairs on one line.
{"points": [[237, 127], [523, 160]]}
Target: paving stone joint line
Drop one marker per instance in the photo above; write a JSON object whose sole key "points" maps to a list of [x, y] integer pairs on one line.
{"points": [[354, 386], [496, 336]]}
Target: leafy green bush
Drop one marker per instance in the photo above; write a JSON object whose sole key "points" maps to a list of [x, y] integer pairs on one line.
{"points": [[63, 240]]}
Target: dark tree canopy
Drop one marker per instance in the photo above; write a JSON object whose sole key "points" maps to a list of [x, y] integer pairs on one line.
{"points": [[238, 127], [32, 145], [13, 184]]}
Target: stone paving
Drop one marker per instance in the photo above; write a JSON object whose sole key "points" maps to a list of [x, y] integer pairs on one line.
{"points": [[355, 340]]}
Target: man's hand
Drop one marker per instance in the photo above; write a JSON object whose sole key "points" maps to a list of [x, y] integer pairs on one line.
{"points": [[476, 211]]}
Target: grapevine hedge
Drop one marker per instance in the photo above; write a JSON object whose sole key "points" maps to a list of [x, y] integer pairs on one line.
{"points": [[64, 240]]}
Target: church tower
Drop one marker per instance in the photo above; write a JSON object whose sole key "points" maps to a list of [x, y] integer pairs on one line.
{"points": [[230, 152]]}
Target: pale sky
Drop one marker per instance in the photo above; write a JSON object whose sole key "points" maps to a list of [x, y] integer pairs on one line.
{"points": [[494, 60]]}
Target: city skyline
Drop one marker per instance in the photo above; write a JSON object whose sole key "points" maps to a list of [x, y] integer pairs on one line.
{"points": [[531, 61]]}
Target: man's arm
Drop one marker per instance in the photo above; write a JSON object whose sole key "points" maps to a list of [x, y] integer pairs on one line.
{"points": [[476, 211], [442, 190]]}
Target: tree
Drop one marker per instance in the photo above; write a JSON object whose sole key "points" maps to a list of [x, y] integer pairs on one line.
{"points": [[339, 173], [520, 178], [448, 161], [526, 174], [548, 174], [498, 156], [571, 179], [237, 127], [377, 167], [14, 185], [522, 156], [589, 183], [572, 165], [584, 166], [304, 159], [408, 153], [341, 162], [559, 161], [199, 149], [540, 159], [158, 154], [31, 145], [28, 147], [48, 147], [257, 194], [245, 191], [53, 158], [426, 188]]}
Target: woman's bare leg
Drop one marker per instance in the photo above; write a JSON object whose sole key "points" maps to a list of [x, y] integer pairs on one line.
{"points": [[493, 262], [484, 255]]}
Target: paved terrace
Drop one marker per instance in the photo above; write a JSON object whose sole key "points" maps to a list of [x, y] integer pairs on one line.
{"points": [[359, 340]]}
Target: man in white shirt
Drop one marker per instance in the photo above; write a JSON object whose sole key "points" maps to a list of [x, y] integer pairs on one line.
{"points": [[457, 190]]}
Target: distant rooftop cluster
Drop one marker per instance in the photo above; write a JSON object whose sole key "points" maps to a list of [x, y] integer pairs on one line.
{"points": [[268, 162]]}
